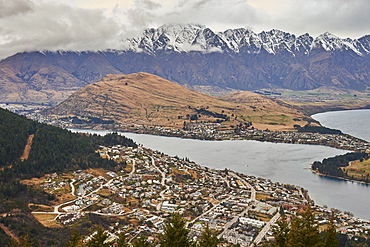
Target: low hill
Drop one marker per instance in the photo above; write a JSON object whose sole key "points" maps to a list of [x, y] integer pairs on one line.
{"points": [[260, 102], [150, 100]]}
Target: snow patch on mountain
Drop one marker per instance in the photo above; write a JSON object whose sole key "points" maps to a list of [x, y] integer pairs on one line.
{"points": [[192, 37]]}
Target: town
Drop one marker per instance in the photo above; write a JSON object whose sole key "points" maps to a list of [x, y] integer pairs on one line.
{"points": [[150, 186], [208, 131]]}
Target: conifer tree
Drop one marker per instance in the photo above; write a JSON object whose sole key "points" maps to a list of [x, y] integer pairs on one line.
{"points": [[175, 234], [98, 239], [75, 239], [13, 243], [208, 238], [304, 231], [122, 242], [331, 234], [281, 232], [25, 241], [141, 242]]}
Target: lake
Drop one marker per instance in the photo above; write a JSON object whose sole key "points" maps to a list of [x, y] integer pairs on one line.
{"points": [[353, 122], [281, 162]]}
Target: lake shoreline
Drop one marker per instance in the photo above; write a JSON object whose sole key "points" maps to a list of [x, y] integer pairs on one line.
{"points": [[292, 137], [340, 178]]}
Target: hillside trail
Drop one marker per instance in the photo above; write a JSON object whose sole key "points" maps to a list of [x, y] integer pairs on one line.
{"points": [[9, 233], [27, 148]]}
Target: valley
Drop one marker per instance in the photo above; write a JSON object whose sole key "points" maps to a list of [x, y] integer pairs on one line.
{"points": [[323, 99]]}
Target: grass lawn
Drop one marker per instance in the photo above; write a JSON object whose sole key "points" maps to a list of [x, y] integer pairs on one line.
{"points": [[47, 219], [358, 169], [265, 197]]}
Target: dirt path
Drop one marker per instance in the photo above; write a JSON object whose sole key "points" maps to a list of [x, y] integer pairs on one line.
{"points": [[9, 233], [27, 148]]}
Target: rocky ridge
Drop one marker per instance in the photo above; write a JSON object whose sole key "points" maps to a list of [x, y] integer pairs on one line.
{"points": [[186, 38]]}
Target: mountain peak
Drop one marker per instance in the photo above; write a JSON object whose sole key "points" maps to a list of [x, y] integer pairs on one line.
{"points": [[194, 37]]}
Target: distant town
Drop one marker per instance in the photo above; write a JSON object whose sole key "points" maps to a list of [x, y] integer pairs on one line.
{"points": [[209, 131]]}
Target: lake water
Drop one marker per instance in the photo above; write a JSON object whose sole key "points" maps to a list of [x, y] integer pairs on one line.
{"points": [[354, 122], [281, 162]]}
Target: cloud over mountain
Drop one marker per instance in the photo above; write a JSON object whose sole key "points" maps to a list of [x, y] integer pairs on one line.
{"points": [[27, 25]]}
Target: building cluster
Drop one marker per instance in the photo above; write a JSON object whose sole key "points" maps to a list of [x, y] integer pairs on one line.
{"points": [[149, 186]]}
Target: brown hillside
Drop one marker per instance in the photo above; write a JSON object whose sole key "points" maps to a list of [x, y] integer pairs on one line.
{"points": [[261, 102], [147, 99], [267, 110]]}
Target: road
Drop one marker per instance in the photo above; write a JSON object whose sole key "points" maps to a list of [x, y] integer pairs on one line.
{"points": [[133, 167], [72, 187], [56, 208], [249, 186], [163, 183], [10, 233], [205, 213], [231, 222], [163, 174], [253, 198], [265, 229]]}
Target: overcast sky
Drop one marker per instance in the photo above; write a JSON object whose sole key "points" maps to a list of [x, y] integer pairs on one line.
{"points": [[27, 25]]}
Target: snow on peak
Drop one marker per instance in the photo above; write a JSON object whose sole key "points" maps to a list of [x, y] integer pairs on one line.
{"points": [[193, 37], [330, 42]]}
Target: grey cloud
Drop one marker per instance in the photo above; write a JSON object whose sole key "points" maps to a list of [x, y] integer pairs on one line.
{"points": [[345, 18], [147, 4], [214, 13], [27, 25], [53, 26], [14, 7]]}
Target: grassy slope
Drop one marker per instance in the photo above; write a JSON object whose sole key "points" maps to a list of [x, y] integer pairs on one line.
{"points": [[147, 99]]}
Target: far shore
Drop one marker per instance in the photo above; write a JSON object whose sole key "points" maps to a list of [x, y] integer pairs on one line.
{"points": [[346, 179]]}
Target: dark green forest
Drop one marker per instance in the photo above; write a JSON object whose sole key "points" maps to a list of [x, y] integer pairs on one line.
{"points": [[53, 150], [318, 129], [332, 166]]}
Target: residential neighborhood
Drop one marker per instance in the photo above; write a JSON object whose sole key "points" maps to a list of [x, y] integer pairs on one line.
{"points": [[150, 186]]}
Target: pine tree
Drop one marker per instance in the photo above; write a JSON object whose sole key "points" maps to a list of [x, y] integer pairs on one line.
{"points": [[175, 234], [281, 232], [304, 231], [208, 238], [122, 242], [98, 239], [13, 243], [25, 241], [331, 234], [141, 242], [75, 239]]}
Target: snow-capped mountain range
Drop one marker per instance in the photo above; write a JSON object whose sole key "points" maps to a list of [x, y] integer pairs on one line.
{"points": [[186, 38], [198, 58]]}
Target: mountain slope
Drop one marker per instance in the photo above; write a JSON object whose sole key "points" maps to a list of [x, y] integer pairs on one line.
{"points": [[198, 58], [146, 99]]}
